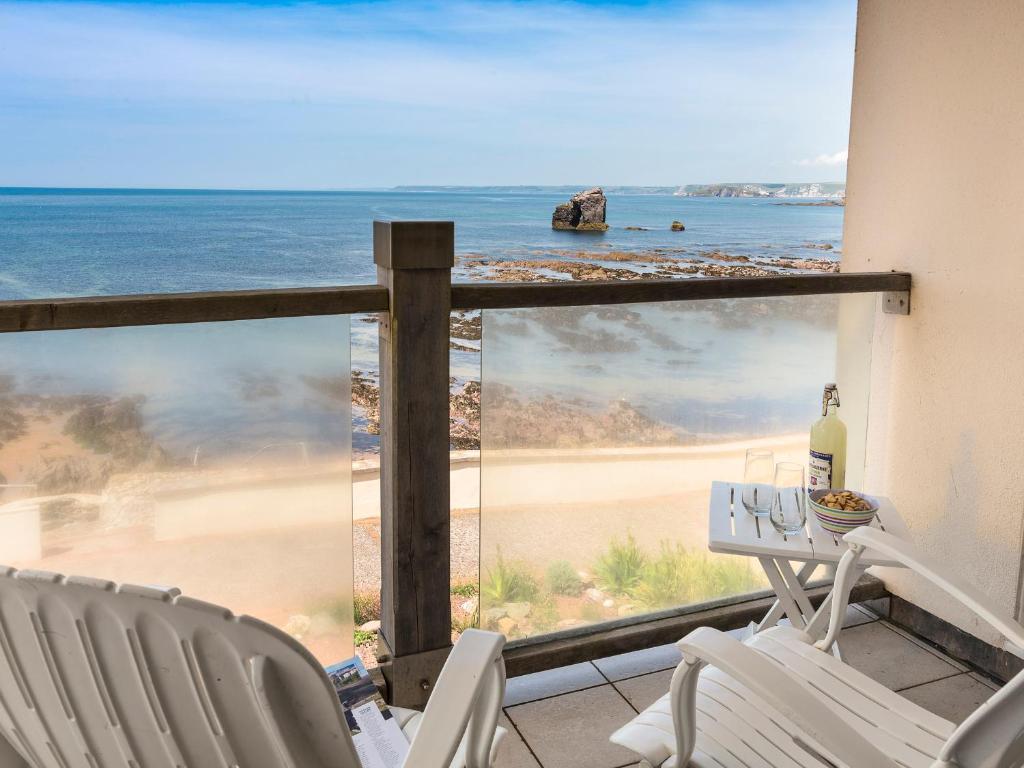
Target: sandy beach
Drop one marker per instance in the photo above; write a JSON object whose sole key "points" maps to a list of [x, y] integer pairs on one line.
{"points": [[287, 554]]}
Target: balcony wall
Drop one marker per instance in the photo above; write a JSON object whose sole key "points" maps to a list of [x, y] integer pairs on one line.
{"points": [[936, 158]]}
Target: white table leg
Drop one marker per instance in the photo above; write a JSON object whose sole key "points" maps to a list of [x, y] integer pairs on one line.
{"points": [[777, 611], [796, 589], [782, 591]]}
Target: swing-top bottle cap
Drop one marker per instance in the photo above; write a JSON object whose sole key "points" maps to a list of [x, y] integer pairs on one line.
{"points": [[829, 397]]}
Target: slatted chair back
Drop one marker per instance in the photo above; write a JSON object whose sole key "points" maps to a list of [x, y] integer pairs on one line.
{"points": [[993, 735], [96, 675]]}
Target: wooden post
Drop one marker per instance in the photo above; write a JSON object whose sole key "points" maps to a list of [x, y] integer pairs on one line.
{"points": [[414, 262]]}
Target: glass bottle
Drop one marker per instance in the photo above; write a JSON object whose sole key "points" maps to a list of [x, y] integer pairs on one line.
{"points": [[828, 445]]}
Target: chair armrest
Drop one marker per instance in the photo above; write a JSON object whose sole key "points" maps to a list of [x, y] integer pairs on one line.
{"points": [[831, 736], [466, 701], [906, 553]]}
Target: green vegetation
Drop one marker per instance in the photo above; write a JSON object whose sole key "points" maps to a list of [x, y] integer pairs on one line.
{"points": [[367, 607], [562, 579], [461, 623], [629, 580], [461, 620], [508, 582], [465, 589], [544, 616], [362, 637], [663, 580], [677, 577], [725, 576], [619, 569]]}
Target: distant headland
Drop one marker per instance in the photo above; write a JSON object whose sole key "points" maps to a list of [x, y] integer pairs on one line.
{"points": [[540, 189], [827, 190]]}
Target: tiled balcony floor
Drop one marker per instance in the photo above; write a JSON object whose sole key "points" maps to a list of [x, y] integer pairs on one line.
{"points": [[562, 718]]}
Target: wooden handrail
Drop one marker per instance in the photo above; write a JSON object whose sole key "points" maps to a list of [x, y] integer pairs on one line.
{"points": [[176, 308], [217, 306], [562, 294]]}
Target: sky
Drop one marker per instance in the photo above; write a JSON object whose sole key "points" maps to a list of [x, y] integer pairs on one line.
{"points": [[374, 94]]}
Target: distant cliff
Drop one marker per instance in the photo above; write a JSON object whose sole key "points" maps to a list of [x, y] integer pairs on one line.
{"points": [[559, 189], [830, 190]]}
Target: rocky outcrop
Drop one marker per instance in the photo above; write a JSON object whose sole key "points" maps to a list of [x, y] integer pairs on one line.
{"points": [[584, 212], [529, 271], [466, 326], [678, 226]]}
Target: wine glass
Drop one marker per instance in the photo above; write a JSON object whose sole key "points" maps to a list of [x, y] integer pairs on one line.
{"points": [[757, 481], [789, 502]]}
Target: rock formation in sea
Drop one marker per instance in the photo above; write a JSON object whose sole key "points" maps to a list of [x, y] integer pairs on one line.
{"points": [[678, 226], [585, 212]]}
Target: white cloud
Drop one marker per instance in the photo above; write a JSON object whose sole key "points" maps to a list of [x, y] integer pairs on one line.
{"points": [[836, 158]]}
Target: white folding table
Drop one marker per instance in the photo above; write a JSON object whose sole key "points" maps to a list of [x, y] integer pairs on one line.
{"points": [[734, 531]]}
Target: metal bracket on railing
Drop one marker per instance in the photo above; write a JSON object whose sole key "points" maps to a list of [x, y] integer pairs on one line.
{"points": [[896, 302]]}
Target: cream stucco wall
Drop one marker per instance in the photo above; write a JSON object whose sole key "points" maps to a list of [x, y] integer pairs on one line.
{"points": [[936, 187]]}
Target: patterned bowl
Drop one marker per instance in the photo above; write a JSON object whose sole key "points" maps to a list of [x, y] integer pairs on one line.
{"points": [[840, 520]]}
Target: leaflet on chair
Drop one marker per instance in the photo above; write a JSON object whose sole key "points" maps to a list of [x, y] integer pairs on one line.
{"points": [[378, 738]]}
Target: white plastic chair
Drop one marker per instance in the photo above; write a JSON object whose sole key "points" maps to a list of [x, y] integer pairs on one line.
{"points": [[96, 675], [782, 699]]}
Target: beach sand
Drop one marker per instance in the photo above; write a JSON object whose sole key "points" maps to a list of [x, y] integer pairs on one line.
{"points": [[539, 506]]}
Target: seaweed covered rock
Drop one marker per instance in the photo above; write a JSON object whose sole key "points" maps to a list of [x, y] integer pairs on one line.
{"points": [[585, 212], [562, 218]]}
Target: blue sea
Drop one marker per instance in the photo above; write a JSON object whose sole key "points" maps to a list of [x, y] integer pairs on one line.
{"points": [[249, 384], [90, 242]]}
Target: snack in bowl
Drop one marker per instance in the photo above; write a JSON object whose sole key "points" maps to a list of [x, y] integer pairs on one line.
{"points": [[845, 500], [840, 511]]}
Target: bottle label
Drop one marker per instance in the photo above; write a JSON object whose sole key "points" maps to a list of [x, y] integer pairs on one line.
{"points": [[820, 474]]}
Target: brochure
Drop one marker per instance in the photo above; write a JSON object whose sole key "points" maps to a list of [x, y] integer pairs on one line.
{"points": [[379, 741]]}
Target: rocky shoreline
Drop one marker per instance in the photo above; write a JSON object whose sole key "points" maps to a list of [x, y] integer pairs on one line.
{"points": [[559, 265], [656, 264], [818, 203]]}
